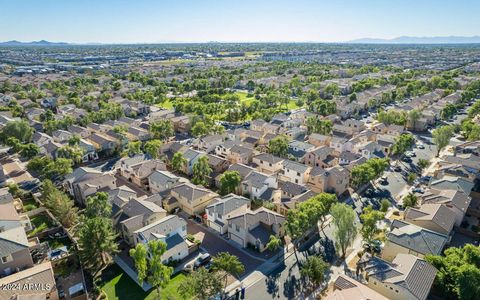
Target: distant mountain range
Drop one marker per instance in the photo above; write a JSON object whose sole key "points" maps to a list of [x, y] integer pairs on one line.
{"points": [[34, 43], [399, 40], [420, 40]]}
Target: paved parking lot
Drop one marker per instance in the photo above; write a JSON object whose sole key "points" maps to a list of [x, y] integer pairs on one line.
{"points": [[214, 244]]}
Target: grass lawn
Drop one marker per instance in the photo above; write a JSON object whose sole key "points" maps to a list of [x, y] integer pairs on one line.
{"points": [[29, 204], [167, 104], [58, 243], [118, 286], [40, 223]]}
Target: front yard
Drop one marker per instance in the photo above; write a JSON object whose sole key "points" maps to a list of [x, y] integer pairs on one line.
{"points": [[118, 286]]}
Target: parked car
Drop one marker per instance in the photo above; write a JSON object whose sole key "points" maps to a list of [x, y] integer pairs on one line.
{"points": [[384, 180], [397, 168], [421, 146], [407, 159], [202, 260]]}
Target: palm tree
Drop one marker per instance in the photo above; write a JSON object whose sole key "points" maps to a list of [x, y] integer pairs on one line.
{"points": [[178, 162], [229, 264]]}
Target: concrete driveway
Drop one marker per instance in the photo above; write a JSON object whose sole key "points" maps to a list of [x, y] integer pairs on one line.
{"points": [[214, 244]]}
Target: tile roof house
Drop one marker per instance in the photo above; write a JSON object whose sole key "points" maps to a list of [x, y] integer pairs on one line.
{"points": [[268, 163], [322, 156], [84, 182], [436, 217], [136, 214], [257, 183], [163, 181], [221, 208], [406, 277], [190, 198], [346, 288], [412, 239], [40, 277], [14, 244], [172, 230], [210, 142], [295, 172], [247, 227], [455, 200], [138, 168], [240, 154], [331, 180]]}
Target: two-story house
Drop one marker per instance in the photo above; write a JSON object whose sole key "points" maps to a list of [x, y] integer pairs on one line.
{"points": [[221, 208]]}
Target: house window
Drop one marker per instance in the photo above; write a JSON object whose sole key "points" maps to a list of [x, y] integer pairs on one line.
{"points": [[270, 164], [237, 228], [296, 180], [6, 259]]}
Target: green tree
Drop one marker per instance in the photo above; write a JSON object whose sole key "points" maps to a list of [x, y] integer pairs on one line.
{"points": [[20, 130], [201, 171], [229, 182], [228, 263], [441, 137], [201, 285], [274, 243], [75, 153], [152, 268], [179, 162], [423, 163], [134, 148], [367, 171], [98, 206], [152, 148], [370, 218], [345, 229], [199, 129], [313, 270], [278, 146], [458, 274], [412, 117], [162, 129], [410, 200], [384, 205], [411, 178], [30, 150], [96, 243], [403, 143], [59, 204]]}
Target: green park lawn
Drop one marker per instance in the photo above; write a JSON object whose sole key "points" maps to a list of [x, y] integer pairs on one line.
{"points": [[119, 286]]}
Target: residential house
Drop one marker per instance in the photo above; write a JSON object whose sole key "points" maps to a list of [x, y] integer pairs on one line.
{"points": [[84, 182], [298, 149], [163, 181], [318, 140], [190, 198], [412, 239], [268, 163], [138, 168], [256, 184], [456, 200], [192, 157], [222, 208], [37, 282], [295, 172], [171, 230], [240, 154], [247, 227], [346, 288], [14, 245], [323, 156], [406, 277], [436, 217], [209, 143], [137, 213], [331, 180]]}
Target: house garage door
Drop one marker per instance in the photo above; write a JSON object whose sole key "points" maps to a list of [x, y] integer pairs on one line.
{"points": [[236, 239]]}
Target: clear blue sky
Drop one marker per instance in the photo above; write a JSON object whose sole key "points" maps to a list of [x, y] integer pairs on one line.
{"points": [[149, 21]]}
